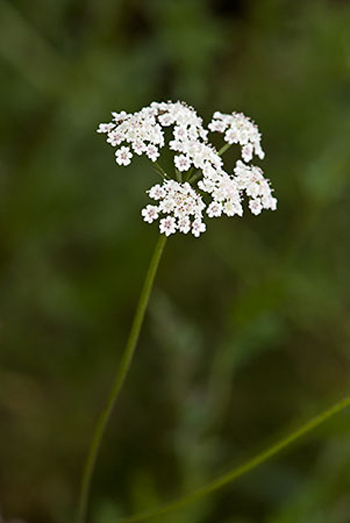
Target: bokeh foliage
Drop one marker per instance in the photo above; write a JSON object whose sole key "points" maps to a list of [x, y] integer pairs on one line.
{"points": [[248, 331]]}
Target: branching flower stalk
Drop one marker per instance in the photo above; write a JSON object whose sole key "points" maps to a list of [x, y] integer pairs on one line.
{"points": [[200, 184]]}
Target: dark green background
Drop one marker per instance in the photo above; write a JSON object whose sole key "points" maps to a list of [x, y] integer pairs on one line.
{"points": [[248, 330]]}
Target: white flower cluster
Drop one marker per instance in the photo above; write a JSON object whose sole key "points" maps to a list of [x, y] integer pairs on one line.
{"points": [[144, 134], [250, 179], [227, 191], [180, 205], [240, 129]]}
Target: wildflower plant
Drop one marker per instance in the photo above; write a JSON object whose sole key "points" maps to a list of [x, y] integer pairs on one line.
{"points": [[199, 186]]}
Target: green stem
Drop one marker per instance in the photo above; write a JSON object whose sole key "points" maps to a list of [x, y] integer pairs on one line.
{"points": [[161, 170], [188, 174], [178, 175], [119, 379], [195, 177], [224, 148], [243, 469]]}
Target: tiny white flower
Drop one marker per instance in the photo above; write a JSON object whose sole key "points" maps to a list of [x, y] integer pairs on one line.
{"points": [[253, 189], [139, 147], [269, 202], [214, 210], [152, 153], [167, 226], [150, 213], [119, 116], [115, 138], [182, 162], [232, 207], [247, 152], [167, 205], [184, 225], [123, 156], [105, 127], [218, 126], [180, 133], [258, 151], [157, 192], [255, 206], [231, 136], [165, 119], [175, 145], [198, 227]]}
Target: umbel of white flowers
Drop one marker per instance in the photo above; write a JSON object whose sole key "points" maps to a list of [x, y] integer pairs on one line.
{"points": [[202, 184]]}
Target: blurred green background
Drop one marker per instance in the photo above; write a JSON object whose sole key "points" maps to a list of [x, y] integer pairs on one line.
{"points": [[248, 330]]}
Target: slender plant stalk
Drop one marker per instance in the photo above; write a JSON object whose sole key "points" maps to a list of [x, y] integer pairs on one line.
{"points": [[243, 469], [119, 379], [224, 148], [161, 171]]}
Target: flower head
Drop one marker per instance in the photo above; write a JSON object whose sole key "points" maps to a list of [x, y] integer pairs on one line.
{"points": [[202, 183], [238, 128], [179, 204]]}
